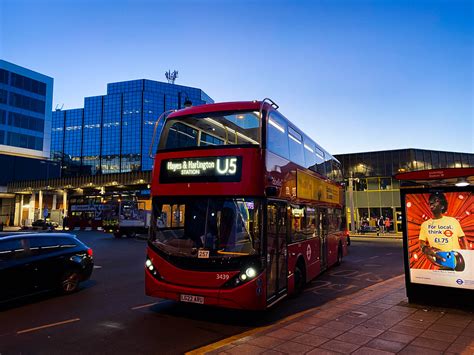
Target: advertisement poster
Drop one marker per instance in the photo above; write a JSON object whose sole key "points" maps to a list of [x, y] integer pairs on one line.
{"points": [[440, 228]]}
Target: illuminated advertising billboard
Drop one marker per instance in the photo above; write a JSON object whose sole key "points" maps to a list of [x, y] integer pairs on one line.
{"points": [[440, 231]]}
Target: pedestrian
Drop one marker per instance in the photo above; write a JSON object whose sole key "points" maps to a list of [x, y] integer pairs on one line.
{"points": [[65, 221], [387, 224], [380, 223]]}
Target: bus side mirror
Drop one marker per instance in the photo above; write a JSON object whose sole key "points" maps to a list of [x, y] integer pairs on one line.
{"points": [[271, 191]]}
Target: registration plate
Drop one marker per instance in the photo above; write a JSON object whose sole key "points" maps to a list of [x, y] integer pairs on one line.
{"points": [[192, 299]]}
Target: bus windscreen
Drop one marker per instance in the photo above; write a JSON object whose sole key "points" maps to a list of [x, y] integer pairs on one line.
{"points": [[206, 227]]}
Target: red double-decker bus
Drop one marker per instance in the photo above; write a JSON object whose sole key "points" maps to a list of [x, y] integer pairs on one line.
{"points": [[246, 207]]}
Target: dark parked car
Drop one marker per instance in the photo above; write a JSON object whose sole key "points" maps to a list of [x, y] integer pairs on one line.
{"points": [[35, 262], [42, 224]]}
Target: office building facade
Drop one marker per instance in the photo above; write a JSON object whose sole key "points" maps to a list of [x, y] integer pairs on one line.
{"points": [[373, 192], [25, 131], [113, 132], [25, 111]]}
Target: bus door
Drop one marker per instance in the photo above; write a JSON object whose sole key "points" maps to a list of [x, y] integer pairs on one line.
{"points": [[276, 250], [323, 236]]}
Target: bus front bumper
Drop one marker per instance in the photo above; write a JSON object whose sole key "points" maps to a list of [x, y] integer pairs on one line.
{"points": [[249, 296]]}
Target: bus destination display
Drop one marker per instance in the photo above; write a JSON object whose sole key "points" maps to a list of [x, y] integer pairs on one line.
{"points": [[201, 169]]}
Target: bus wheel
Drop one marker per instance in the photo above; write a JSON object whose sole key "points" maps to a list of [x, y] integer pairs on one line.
{"points": [[117, 235], [300, 277], [339, 255]]}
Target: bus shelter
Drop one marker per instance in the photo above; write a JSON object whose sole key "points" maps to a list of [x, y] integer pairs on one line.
{"points": [[438, 236]]}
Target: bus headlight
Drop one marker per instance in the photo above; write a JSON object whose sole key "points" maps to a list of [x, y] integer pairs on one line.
{"points": [[149, 265], [251, 272], [241, 278]]}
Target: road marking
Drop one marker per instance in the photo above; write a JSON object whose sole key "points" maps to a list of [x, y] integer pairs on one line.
{"points": [[48, 326], [374, 257], [389, 254], [97, 267], [144, 306]]}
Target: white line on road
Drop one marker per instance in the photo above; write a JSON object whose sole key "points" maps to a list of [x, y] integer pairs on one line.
{"points": [[389, 254], [144, 306], [374, 257], [48, 326], [97, 267]]}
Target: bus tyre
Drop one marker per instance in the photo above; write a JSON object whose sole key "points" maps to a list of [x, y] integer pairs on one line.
{"points": [[69, 282], [339, 255], [117, 235], [300, 277]]}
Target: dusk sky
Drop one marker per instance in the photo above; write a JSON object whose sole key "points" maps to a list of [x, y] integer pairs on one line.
{"points": [[356, 76]]}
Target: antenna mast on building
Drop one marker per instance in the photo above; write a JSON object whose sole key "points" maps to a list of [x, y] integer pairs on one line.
{"points": [[171, 76]]}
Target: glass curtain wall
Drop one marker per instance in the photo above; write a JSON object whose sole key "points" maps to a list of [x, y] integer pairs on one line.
{"points": [[111, 131], [153, 107], [57, 135], [131, 131], [92, 133], [73, 136]]}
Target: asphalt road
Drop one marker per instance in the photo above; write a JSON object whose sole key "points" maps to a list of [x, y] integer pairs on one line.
{"points": [[111, 314]]}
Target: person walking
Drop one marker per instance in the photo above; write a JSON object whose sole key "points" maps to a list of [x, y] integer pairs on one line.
{"points": [[380, 224], [387, 224]]}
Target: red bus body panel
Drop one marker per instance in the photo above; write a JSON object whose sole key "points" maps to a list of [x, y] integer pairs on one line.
{"points": [[249, 295]]}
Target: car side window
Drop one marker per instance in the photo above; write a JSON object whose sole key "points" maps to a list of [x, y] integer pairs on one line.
{"points": [[65, 243], [43, 245], [13, 249]]}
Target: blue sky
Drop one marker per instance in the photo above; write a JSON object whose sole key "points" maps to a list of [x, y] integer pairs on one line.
{"points": [[355, 75]]}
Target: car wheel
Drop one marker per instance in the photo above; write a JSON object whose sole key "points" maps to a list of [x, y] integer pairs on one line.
{"points": [[117, 235], [70, 282]]}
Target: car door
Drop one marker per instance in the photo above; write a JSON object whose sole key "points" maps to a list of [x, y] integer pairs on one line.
{"points": [[48, 261], [16, 270]]}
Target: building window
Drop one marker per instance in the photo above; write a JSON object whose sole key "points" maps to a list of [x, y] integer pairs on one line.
{"points": [[385, 183], [28, 84]]}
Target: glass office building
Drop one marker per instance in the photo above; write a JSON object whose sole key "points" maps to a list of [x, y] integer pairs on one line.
{"points": [[371, 188], [25, 111], [113, 132]]}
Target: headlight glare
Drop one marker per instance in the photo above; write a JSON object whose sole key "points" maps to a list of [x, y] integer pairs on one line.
{"points": [[251, 272]]}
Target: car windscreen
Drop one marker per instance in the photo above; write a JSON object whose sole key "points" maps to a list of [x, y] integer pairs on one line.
{"points": [[222, 227]]}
